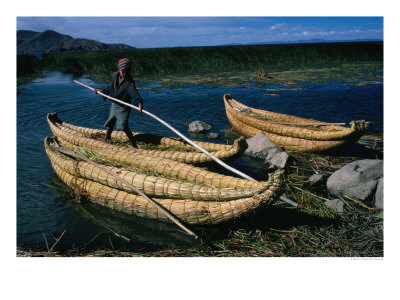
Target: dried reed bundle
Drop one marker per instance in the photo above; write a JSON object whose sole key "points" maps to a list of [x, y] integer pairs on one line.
{"points": [[151, 185], [270, 122], [189, 211], [293, 137], [174, 143], [262, 75], [237, 148]]}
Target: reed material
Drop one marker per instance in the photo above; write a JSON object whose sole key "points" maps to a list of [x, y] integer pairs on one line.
{"points": [[249, 121], [276, 123], [163, 210], [151, 185], [288, 143], [174, 143], [313, 124], [187, 210], [192, 157]]}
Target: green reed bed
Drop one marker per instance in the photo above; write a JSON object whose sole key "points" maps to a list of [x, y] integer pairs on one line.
{"points": [[176, 68], [181, 59], [28, 69], [288, 77]]}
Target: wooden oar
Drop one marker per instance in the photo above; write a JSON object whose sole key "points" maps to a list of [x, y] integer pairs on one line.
{"points": [[162, 209]]}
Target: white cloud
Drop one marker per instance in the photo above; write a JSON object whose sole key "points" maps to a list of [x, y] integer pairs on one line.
{"points": [[278, 26]]}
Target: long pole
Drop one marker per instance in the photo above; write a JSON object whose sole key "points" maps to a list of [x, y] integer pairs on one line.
{"points": [[186, 139], [162, 209], [175, 131]]}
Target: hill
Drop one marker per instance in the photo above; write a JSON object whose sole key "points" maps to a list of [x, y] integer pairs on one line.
{"points": [[23, 35], [31, 42]]}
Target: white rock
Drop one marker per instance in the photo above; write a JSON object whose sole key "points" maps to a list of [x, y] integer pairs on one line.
{"points": [[199, 127], [260, 146], [357, 179]]}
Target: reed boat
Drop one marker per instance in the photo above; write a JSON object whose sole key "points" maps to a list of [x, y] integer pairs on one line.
{"points": [[194, 195], [149, 144], [290, 132]]}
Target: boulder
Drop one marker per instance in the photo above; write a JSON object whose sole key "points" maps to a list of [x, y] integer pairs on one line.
{"points": [[357, 179], [335, 205], [260, 146], [379, 194], [199, 127], [213, 135]]}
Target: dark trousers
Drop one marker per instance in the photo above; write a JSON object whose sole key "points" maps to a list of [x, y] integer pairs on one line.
{"points": [[127, 130]]}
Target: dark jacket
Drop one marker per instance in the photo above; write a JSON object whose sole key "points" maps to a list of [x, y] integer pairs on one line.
{"points": [[124, 92], [119, 113]]}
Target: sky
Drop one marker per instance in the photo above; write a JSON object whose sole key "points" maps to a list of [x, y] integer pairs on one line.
{"points": [[154, 32]]}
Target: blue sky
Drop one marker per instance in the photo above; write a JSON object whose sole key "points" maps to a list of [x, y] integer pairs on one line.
{"points": [[149, 32]]}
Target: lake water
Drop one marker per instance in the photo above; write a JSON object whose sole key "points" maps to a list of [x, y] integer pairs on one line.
{"points": [[43, 214]]}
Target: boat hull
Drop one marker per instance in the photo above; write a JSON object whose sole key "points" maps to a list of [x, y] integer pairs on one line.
{"points": [[205, 204], [172, 148], [293, 137]]}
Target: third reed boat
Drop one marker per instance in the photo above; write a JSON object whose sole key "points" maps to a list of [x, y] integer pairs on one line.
{"points": [[290, 132]]}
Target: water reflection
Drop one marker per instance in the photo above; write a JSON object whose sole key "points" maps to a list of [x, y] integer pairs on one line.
{"points": [[132, 232]]}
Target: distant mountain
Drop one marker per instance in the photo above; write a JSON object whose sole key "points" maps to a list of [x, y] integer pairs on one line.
{"points": [[31, 42], [311, 41], [23, 35]]}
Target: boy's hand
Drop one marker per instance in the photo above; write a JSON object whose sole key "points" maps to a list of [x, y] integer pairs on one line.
{"points": [[140, 106]]}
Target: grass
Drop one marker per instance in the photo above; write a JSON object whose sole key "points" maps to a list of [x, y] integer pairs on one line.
{"points": [[172, 60], [355, 233]]}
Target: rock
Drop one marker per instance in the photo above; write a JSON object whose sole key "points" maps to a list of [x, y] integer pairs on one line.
{"points": [[199, 127], [316, 181], [335, 205], [259, 146], [213, 135], [357, 179], [379, 194]]}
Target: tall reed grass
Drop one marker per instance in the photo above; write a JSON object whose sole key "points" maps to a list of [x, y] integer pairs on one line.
{"points": [[27, 65], [171, 60]]}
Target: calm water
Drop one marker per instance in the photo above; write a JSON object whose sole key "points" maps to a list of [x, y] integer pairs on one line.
{"points": [[43, 214]]}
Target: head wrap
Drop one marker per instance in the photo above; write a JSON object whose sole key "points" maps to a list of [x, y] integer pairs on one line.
{"points": [[123, 64]]}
